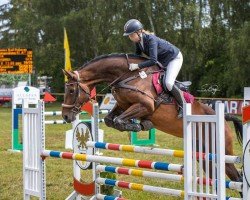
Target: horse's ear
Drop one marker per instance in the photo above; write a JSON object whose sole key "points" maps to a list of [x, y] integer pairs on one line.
{"points": [[69, 74]]}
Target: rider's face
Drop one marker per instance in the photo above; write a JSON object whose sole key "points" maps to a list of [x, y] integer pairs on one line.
{"points": [[134, 37]]}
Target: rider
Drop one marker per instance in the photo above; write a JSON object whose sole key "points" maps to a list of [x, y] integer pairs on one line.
{"points": [[158, 50]]}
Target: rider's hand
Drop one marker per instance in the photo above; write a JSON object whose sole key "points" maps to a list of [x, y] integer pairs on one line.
{"points": [[133, 66]]}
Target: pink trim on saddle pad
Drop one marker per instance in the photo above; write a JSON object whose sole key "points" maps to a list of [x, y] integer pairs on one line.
{"points": [[158, 88], [188, 97], [156, 83]]}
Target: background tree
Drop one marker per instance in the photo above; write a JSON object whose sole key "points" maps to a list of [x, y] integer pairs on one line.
{"points": [[212, 35]]}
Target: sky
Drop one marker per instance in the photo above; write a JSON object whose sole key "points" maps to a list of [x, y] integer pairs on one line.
{"points": [[3, 2]]}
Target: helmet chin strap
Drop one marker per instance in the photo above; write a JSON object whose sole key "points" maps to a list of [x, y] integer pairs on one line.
{"points": [[139, 35]]}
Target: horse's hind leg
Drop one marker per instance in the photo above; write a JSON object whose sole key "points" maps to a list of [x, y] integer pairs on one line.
{"points": [[230, 168], [231, 171]]}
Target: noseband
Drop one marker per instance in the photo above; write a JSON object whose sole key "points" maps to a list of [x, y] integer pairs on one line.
{"points": [[76, 107]]}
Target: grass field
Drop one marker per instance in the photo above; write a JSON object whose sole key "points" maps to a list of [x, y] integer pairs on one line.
{"points": [[59, 172]]}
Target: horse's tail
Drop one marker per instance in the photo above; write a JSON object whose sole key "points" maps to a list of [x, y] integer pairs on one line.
{"points": [[228, 117], [237, 125]]}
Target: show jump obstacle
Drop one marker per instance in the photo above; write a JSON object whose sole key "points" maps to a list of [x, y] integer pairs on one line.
{"points": [[32, 95], [29, 94], [196, 184]]}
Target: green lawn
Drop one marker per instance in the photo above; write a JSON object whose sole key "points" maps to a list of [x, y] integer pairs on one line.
{"points": [[59, 172]]}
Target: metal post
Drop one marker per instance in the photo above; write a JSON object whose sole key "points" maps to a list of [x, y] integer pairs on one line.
{"points": [[95, 129]]}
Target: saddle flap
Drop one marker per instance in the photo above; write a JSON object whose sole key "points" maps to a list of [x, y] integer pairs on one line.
{"points": [[159, 84]]}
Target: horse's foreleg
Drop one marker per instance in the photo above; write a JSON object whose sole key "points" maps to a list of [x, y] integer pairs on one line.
{"points": [[109, 118], [136, 111], [146, 124]]}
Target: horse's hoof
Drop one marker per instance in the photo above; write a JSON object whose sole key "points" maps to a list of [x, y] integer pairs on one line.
{"points": [[133, 127]]}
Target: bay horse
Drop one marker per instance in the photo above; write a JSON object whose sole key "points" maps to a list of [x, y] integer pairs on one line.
{"points": [[136, 99]]}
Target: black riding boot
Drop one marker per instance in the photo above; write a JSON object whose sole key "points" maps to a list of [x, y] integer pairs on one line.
{"points": [[178, 95]]}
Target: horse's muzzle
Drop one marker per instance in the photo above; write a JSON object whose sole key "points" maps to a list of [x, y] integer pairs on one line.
{"points": [[69, 119], [68, 116]]}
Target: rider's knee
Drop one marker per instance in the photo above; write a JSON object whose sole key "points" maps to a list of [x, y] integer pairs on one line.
{"points": [[169, 86]]}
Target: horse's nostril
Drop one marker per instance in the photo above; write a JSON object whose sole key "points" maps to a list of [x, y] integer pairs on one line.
{"points": [[65, 117]]}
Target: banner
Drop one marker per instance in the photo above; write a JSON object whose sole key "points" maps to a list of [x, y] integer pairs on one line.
{"points": [[232, 106]]}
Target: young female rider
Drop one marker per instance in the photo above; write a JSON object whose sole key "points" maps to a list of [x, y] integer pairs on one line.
{"points": [[158, 50]]}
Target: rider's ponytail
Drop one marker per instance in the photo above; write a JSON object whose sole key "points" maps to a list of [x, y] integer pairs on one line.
{"points": [[148, 32]]}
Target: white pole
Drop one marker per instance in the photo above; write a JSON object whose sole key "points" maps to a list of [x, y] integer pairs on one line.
{"points": [[29, 81], [188, 168], [193, 130], [34, 177], [220, 151]]}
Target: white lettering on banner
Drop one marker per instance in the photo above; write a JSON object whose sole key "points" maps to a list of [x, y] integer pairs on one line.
{"points": [[31, 94], [233, 106]]}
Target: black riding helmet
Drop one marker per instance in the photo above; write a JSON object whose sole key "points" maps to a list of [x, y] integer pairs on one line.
{"points": [[132, 26]]}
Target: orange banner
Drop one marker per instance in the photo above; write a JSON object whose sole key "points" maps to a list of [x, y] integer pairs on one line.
{"points": [[246, 114]]}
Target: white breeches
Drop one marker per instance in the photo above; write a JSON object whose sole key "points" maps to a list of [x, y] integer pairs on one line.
{"points": [[172, 71]]}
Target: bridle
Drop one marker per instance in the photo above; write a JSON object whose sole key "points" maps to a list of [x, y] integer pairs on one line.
{"points": [[76, 107]]}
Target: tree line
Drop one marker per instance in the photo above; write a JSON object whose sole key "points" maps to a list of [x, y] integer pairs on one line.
{"points": [[212, 35]]}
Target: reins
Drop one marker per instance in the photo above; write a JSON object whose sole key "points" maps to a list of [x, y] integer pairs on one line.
{"points": [[117, 79], [117, 83]]}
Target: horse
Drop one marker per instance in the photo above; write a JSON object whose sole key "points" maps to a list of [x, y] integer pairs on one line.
{"points": [[136, 99]]}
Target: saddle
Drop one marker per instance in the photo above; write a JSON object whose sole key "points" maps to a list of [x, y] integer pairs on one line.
{"points": [[166, 97], [158, 83]]}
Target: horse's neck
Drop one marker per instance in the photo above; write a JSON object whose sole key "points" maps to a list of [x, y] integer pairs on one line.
{"points": [[105, 70]]}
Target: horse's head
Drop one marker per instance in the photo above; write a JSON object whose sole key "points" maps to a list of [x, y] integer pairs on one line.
{"points": [[76, 94], [107, 68]]}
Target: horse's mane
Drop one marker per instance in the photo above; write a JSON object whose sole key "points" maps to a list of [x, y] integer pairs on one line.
{"points": [[112, 55]]}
